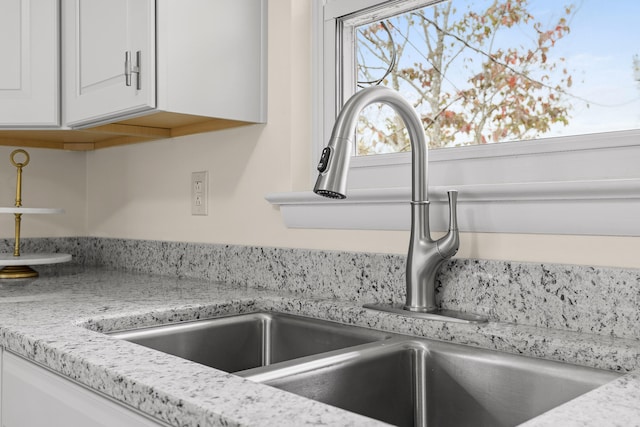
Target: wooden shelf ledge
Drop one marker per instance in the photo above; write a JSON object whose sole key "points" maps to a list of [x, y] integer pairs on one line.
{"points": [[156, 126]]}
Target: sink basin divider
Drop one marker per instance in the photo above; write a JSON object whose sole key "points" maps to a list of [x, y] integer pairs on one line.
{"points": [[319, 361]]}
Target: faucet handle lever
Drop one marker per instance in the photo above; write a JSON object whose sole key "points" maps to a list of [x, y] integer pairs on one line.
{"points": [[453, 209], [449, 244]]}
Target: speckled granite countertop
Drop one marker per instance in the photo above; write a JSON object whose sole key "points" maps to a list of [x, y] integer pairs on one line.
{"points": [[57, 322]]}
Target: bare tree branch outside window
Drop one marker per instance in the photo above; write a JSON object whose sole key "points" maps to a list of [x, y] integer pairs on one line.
{"points": [[477, 71]]}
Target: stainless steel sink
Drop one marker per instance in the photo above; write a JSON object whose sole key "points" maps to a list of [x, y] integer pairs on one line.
{"points": [[416, 382], [398, 379], [240, 342]]}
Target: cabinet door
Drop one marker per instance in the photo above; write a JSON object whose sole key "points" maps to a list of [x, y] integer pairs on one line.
{"points": [[97, 35], [35, 397], [29, 63]]}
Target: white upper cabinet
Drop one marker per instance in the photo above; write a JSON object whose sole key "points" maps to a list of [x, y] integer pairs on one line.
{"points": [[97, 36], [211, 59], [29, 67], [125, 71]]}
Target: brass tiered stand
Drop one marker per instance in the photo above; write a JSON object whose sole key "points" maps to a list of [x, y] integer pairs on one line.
{"points": [[17, 265]]}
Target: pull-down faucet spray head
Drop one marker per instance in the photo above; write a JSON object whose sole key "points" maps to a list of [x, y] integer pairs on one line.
{"points": [[333, 167]]}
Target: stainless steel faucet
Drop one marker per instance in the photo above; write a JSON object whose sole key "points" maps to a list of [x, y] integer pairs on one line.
{"points": [[426, 255]]}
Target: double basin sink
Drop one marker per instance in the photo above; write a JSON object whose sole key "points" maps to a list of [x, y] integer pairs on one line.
{"points": [[401, 380]]}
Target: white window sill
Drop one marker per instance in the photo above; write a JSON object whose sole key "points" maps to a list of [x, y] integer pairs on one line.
{"points": [[602, 207]]}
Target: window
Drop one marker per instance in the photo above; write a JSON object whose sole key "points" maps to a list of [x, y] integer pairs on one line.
{"points": [[486, 71], [548, 181], [585, 84]]}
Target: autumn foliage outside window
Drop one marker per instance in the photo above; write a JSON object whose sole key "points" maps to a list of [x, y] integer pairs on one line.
{"points": [[482, 71]]}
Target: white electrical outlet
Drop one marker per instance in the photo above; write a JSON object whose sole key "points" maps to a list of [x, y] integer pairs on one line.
{"points": [[199, 193]]}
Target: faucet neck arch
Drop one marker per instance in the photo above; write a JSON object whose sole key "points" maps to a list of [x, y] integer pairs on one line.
{"points": [[345, 126]]}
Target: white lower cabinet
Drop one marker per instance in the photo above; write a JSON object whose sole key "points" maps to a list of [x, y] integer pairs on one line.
{"points": [[33, 396]]}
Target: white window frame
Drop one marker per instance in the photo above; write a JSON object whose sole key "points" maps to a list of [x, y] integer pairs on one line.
{"points": [[587, 184]]}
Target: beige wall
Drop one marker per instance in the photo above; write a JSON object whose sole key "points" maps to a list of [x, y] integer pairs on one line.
{"points": [[142, 191], [52, 179]]}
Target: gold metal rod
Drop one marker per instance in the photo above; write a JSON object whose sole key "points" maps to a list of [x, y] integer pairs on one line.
{"points": [[19, 166], [19, 186], [16, 248]]}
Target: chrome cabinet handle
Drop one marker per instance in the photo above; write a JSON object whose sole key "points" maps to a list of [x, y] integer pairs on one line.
{"points": [[130, 69]]}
